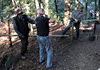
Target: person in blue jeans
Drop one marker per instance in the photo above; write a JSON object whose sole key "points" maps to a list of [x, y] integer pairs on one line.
{"points": [[42, 25], [77, 17]]}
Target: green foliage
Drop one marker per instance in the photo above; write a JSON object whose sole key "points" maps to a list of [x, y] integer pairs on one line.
{"points": [[7, 8], [52, 10]]}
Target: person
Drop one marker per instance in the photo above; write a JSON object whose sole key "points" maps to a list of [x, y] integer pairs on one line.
{"points": [[20, 23], [77, 17], [42, 25], [90, 14]]}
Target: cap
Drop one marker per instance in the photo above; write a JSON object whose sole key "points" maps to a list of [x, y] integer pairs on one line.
{"points": [[81, 7]]}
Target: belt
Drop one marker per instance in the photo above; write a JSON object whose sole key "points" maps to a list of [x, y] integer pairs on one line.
{"points": [[43, 35]]}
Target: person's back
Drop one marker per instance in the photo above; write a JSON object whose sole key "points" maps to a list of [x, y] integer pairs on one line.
{"points": [[42, 24]]}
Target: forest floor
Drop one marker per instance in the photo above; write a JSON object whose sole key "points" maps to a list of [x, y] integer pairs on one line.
{"points": [[76, 55]]}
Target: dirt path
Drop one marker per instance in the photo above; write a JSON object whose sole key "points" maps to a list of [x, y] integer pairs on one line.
{"points": [[77, 55]]}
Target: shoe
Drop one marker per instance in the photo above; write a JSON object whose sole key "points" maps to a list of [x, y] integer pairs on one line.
{"points": [[42, 61], [53, 66], [75, 38], [23, 57]]}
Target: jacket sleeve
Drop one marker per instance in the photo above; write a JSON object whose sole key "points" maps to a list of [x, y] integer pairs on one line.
{"points": [[16, 28], [30, 20]]}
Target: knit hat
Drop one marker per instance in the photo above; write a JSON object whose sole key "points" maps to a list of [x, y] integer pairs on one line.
{"points": [[40, 11], [18, 10]]}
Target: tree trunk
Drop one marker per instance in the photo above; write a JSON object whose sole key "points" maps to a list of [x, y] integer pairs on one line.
{"points": [[2, 11], [98, 10], [98, 13], [76, 4], [35, 7], [56, 7], [46, 6], [9, 42], [86, 10], [14, 3], [37, 4], [95, 8], [67, 12]]}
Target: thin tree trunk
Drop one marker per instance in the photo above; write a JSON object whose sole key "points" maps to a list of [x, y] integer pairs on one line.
{"points": [[14, 3], [98, 13], [19, 3], [46, 6], [37, 4], [95, 8], [76, 4], [86, 10], [99, 9], [35, 7], [56, 7], [2, 11], [67, 12]]}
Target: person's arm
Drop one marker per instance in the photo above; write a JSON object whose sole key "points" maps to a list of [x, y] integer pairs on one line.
{"points": [[30, 20], [16, 28], [74, 16]]}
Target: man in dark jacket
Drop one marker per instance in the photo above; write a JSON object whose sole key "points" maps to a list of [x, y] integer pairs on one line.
{"points": [[20, 23], [42, 25]]}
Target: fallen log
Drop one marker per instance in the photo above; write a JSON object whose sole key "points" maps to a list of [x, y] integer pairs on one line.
{"points": [[36, 35]]}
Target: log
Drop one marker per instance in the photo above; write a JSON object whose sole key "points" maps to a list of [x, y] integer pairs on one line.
{"points": [[92, 20], [36, 35]]}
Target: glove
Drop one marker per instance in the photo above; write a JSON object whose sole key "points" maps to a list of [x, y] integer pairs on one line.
{"points": [[76, 20], [22, 37]]}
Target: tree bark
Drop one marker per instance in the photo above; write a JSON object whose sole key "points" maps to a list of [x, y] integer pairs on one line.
{"points": [[86, 10], [37, 4], [14, 3], [9, 42], [46, 6], [76, 4], [95, 8], [2, 11], [56, 7], [67, 12]]}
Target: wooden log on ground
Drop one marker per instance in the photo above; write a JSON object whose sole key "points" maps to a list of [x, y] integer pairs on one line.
{"points": [[36, 35], [9, 43]]}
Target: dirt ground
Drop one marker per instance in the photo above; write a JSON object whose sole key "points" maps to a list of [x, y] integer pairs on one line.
{"points": [[76, 55]]}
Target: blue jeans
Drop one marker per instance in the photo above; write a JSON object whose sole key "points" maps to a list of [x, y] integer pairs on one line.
{"points": [[45, 43], [70, 25]]}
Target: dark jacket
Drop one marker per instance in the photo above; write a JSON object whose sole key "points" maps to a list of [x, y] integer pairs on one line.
{"points": [[21, 25], [42, 25]]}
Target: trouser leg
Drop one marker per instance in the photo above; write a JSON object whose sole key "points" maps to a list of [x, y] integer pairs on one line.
{"points": [[77, 29], [42, 52], [49, 51], [42, 48], [68, 27], [24, 45]]}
